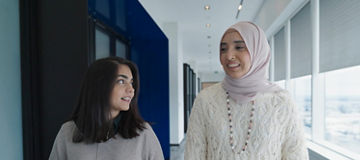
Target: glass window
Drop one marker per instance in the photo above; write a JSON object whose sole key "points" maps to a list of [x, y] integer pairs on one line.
{"points": [[120, 49], [301, 47], [342, 108], [103, 7], [279, 55], [102, 44], [301, 92], [339, 34], [120, 15]]}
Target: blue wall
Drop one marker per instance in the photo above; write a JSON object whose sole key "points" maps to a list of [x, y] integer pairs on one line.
{"points": [[10, 82], [149, 50]]}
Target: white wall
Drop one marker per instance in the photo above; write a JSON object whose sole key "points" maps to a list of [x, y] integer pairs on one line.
{"points": [[171, 30], [211, 76], [270, 10], [10, 82], [274, 13]]}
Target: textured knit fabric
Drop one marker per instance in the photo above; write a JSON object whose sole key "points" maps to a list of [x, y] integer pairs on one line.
{"points": [[277, 132], [143, 147]]}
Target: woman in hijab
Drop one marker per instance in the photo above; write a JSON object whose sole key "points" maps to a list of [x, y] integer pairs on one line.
{"points": [[245, 116], [106, 124]]}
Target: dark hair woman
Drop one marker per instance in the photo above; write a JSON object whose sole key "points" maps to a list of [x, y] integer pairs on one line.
{"points": [[105, 123]]}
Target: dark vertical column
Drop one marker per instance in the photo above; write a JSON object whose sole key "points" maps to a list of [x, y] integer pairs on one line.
{"points": [[185, 70], [193, 89], [63, 62], [54, 61], [29, 79]]}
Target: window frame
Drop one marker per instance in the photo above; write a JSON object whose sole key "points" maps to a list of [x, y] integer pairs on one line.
{"points": [[114, 35]]}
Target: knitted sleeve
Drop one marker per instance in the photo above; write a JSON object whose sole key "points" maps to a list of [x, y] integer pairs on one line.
{"points": [[196, 144], [293, 145]]}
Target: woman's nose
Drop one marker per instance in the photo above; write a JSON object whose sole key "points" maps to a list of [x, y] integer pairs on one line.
{"points": [[130, 88], [230, 55]]}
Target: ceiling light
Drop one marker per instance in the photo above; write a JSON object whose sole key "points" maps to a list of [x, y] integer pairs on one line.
{"points": [[239, 8], [207, 7], [208, 25], [208, 37]]}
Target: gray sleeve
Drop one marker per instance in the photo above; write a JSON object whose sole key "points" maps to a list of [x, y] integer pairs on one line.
{"points": [[58, 151], [152, 147]]}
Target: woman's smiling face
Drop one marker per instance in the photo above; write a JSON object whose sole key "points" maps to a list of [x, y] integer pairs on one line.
{"points": [[123, 91], [234, 55]]}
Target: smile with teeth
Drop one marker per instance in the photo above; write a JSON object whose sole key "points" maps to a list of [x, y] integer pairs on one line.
{"points": [[233, 65], [127, 99]]}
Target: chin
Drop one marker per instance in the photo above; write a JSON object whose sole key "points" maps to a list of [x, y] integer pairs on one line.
{"points": [[235, 75], [125, 108]]}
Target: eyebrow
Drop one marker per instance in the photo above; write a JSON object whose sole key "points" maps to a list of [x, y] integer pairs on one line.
{"points": [[223, 43], [239, 41], [123, 76]]}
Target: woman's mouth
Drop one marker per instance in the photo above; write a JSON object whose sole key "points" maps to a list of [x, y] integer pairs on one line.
{"points": [[126, 99], [233, 66]]}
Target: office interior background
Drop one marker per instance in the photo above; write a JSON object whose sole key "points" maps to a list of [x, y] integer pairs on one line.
{"points": [[46, 46]]}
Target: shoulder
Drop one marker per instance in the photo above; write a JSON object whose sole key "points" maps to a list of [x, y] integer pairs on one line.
{"points": [[148, 127], [66, 131], [68, 126], [148, 134], [211, 92], [280, 98], [147, 131]]}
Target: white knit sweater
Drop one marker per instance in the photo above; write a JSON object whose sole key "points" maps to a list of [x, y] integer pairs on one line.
{"points": [[277, 132]]}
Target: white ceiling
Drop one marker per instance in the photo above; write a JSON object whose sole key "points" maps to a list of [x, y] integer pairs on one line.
{"points": [[191, 17]]}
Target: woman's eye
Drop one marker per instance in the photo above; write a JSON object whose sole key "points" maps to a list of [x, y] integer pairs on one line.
{"points": [[222, 49], [120, 81], [238, 47]]}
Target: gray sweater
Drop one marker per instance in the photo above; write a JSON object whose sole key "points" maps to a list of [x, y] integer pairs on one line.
{"points": [[143, 147]]}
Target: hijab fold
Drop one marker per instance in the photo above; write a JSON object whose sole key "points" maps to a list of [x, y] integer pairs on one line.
{"points": [[245, 88]]}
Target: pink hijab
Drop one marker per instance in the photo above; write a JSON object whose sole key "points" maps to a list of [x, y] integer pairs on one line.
{"points": [[255, 81]]}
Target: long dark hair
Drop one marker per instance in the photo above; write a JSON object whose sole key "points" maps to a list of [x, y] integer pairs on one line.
{"points": [[92, 111]]}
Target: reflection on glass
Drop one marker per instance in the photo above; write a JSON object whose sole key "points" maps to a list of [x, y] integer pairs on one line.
{"points": [[120, 49], [342, 105], [102, 44], [302, 96]]}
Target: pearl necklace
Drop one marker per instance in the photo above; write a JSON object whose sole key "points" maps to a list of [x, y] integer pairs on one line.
{"points": [[231, 126]]}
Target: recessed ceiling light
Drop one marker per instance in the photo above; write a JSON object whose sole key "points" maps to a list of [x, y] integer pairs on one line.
{"points": [[207, 7], [240, 6], [208, 25]]}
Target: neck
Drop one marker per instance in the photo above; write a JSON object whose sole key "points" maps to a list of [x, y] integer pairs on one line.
{"points": [[114, 114]]}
